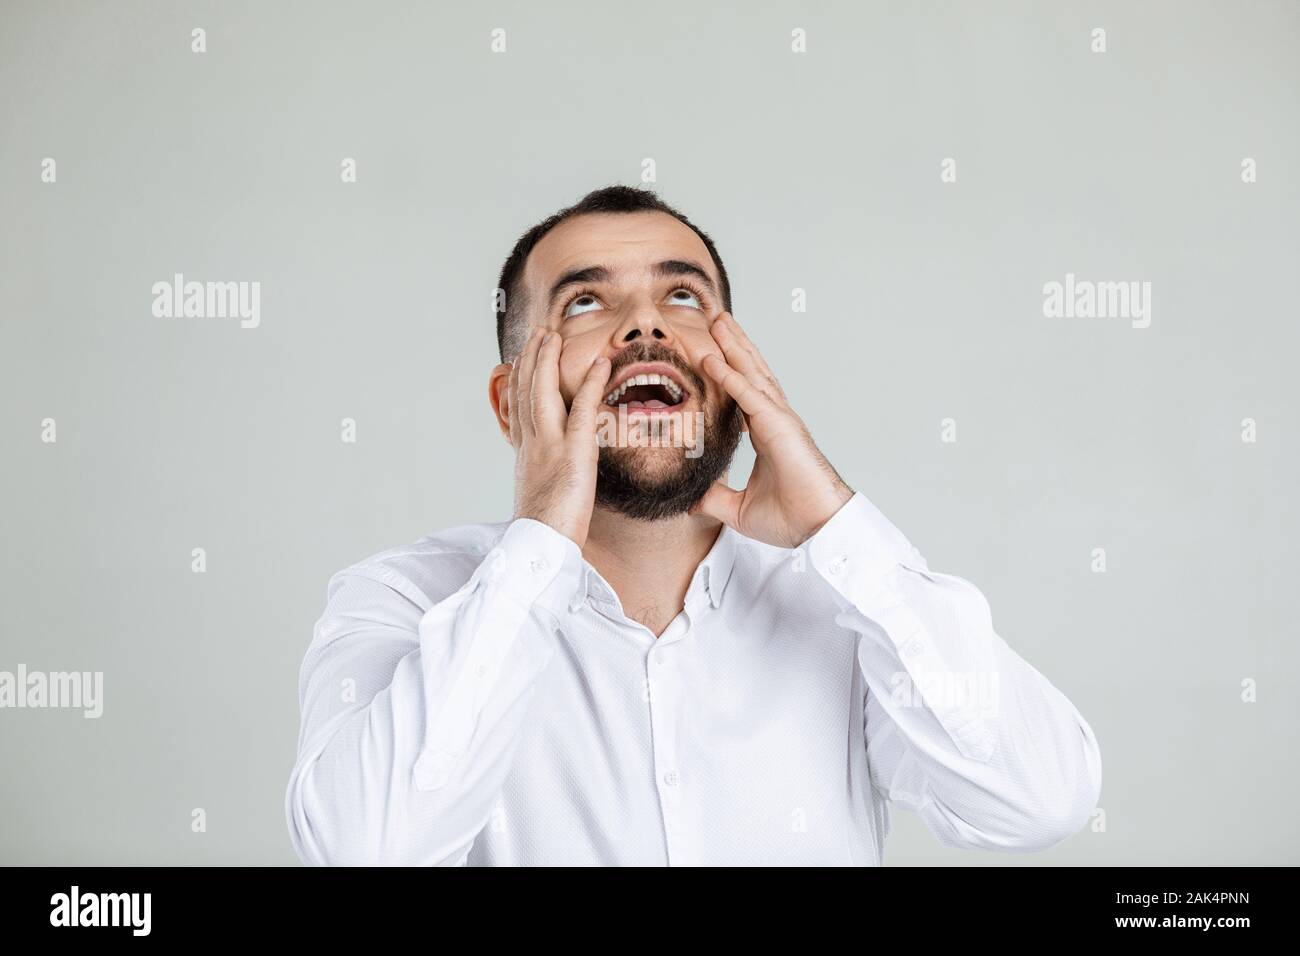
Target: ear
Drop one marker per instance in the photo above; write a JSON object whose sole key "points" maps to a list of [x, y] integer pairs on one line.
{"points": [[499, 397]]}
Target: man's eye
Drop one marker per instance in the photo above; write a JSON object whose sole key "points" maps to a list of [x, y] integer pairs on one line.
{"points": [[685, 297], [583, 303]]}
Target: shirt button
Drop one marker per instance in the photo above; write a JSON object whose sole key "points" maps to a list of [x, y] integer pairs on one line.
{"points": [[481, 670], [540, 565], [916, 647], [661, 658], [670, 778], [838, 565]]}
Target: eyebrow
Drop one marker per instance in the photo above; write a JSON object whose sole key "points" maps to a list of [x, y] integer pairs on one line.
{"points": [[592, 274]]}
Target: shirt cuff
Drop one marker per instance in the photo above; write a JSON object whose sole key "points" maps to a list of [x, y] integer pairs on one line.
{"points": [[857, 549], [537, 567]]}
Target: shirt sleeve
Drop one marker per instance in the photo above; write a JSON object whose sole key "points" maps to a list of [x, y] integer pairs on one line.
{"points": [[411, 713], [959, 728]]}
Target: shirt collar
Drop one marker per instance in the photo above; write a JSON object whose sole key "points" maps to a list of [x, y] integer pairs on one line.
{"points": [[711, 577], [718, 564]]}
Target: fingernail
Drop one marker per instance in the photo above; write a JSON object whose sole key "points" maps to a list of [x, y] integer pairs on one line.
{"points": [[547, 337]]}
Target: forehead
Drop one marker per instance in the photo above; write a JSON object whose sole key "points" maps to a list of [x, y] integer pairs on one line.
{"points": [[619, 241]]}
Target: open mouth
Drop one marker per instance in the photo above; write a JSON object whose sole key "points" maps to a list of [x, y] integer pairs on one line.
{"points": [[648, 392]]}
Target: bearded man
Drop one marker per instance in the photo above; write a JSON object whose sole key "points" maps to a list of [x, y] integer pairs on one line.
{"points": [[645, 665]]}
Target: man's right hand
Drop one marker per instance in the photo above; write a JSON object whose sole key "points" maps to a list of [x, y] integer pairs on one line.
{"points": [[555, 451]]}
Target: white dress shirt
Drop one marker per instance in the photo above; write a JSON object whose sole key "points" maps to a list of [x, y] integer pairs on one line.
{"points": [[480, 698]]}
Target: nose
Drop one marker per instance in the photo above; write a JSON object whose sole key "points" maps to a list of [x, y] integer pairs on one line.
{"points": [[644, 321]]}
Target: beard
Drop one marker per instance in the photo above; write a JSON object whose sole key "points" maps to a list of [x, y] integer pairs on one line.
{"points": [[652, 483]]}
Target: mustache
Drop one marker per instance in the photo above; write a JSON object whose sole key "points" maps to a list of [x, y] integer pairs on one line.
{"points": [[642, 351]]}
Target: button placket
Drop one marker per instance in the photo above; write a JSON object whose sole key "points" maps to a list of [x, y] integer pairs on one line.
{"points": [[663, 731]]}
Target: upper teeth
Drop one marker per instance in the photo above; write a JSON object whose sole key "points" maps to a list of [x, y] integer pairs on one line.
{"points": [[648, 379]]}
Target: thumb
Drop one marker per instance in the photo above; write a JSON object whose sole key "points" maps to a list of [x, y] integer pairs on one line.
{"points": [[720, 502]]}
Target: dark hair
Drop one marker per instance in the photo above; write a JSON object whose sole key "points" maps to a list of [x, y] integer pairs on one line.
{"points": [[614, 199]]}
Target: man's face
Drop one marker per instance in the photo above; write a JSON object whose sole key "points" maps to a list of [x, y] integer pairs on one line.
{"points": [[640, 289]]}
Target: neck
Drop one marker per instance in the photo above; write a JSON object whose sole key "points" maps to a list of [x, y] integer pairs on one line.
{"points": [[649, 564]]}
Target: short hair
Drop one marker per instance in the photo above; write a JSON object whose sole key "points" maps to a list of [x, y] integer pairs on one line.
{"points": [[609, 199]]}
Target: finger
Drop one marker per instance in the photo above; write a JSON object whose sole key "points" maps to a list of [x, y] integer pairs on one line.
{"points": [[582, 413], [524, 385], [738, 356], [722, 503], [512, 391], [739, 331], [744, 355], [547, 405], [748, 396]]}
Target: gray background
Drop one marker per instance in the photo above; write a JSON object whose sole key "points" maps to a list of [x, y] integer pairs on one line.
{"points": [[818, 171]]}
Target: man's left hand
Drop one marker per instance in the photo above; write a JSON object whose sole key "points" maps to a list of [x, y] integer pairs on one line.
{"points": [[793, 490]]}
